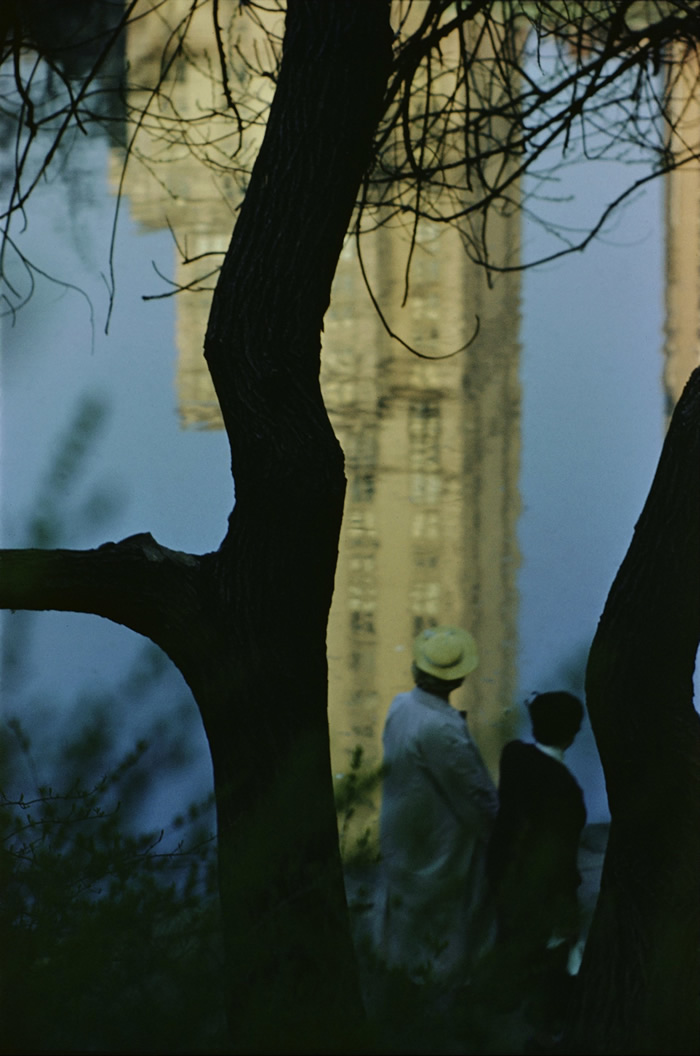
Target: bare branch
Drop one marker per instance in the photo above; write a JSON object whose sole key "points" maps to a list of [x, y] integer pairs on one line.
{"points": [[136, 582], [382, 317], [480, 95]]}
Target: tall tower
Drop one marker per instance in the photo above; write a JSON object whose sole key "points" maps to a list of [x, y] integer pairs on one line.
{"points": [[187, 165], [432, 460], [682, 346], [432, 447]]}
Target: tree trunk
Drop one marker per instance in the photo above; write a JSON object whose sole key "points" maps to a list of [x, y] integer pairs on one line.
{"points": [[639, 987], [266, 712], [247, 625]]}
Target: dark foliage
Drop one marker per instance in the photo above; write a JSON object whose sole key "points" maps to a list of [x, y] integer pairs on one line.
{"points": [[110, 936]]}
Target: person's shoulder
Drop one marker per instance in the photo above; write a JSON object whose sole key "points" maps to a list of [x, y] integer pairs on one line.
{"points": [[402, 701], [406, 709], [517, 750], [437, 722], [430, 708], [518, 756]]}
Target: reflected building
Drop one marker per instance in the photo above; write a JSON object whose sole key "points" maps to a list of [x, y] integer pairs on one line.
{"points": [[432, 445], [682, 187], [432, 461], [187, 167]]}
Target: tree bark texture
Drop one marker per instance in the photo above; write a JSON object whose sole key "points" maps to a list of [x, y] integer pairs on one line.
{"points": [[247, 624], [280, 869], [639, 987]]}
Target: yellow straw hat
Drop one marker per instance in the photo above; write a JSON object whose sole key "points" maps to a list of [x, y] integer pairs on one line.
{"points": [[445, 652]]}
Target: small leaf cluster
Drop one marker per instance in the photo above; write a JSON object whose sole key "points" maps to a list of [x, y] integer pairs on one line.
{"points": [[110, 937], [354, 795]]}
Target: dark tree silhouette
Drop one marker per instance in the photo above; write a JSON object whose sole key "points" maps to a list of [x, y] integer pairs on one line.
{"points": [[246, 625], [445, 135], [640, 979]]}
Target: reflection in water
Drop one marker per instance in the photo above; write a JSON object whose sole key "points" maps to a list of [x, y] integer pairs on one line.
{"points": [[432, 448], [432, 451], [682, 350]]}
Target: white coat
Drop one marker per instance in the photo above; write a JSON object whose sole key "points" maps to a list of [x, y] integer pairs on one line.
{"points": [[438, 804]]}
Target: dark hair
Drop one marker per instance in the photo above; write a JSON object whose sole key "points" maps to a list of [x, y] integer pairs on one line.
{"points": [[556, 717], [433, 684]]}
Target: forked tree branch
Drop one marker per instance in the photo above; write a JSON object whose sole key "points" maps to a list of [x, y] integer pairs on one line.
{"points": [[136, 582]]}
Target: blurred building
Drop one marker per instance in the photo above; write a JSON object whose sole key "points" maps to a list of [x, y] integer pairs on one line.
{"points": [[432, 447], [682, 345], [432, 460]]}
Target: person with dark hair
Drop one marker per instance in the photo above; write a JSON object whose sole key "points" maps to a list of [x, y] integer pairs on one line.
{"points": [[438, 805], [556, 718], [532, 858]]}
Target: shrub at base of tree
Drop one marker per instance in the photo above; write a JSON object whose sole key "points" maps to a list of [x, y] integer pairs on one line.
{"points": [[110, 940]]}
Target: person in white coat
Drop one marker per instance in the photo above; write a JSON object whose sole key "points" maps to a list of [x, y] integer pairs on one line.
{"points": [[438, 805]]}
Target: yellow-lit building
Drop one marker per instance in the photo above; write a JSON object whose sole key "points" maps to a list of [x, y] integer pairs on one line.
{"points": [[432, 448], [432, 460], [682, 345]]}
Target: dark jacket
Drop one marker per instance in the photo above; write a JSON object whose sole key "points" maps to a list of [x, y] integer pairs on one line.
{"points": [[532, 857]]}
